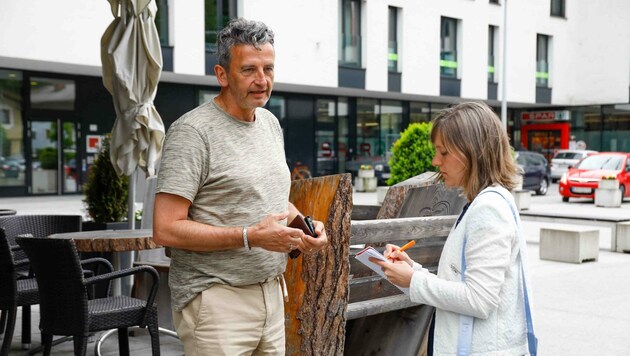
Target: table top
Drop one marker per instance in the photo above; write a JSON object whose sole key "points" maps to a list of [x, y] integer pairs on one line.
{"points": [[110, 240]]}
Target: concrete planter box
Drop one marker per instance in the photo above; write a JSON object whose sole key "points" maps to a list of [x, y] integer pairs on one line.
{"points": [[608, 198], [522, 198], [608, 184], [623, 237], [366, 173], [574, 244]]}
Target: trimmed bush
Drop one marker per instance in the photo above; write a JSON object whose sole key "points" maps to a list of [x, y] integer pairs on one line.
{"points": [[105, 191], [412, 153]]}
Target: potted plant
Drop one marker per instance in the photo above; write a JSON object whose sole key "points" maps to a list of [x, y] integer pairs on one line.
{"points": [[105, 193], [608, 182]]}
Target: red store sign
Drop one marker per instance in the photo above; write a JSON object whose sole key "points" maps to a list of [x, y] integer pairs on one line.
{"points": [[563, 115]]}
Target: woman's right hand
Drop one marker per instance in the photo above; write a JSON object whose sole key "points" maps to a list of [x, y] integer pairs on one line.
{"points": [[393, 253]]}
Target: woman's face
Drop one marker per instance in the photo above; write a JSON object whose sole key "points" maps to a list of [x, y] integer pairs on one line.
{"points": [[451, 164]]}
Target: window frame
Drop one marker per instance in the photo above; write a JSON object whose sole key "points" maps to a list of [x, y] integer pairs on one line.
{"points": [[350, 20]]}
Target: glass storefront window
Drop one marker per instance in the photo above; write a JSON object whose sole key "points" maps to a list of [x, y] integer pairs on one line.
{"points": [[367, 127], [391, 125], [277, 105], [325, 137], [52, 94], [12, 162], [419, 112], [343, 128]]}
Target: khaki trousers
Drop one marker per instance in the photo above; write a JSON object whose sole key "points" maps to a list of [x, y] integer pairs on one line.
{"points": [[226, 320]]}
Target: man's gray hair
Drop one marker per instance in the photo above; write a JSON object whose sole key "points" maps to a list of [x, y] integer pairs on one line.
{"points": [[238, 32]]}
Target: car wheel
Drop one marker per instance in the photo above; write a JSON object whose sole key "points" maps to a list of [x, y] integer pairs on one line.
{"points": [[544, 186], [565, 199], [622, 188]]}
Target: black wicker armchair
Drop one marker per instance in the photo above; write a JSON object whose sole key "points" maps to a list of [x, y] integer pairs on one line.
{"points": [[40, 226], [14, 291], [64, 305]]}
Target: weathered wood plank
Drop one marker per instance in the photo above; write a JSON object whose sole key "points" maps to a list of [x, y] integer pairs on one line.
{"points": [[365, 212], [378, 306], [318, 283], [379, 231], [396, 194]]}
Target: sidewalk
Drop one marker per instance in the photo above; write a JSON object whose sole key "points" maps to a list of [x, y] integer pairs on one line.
{"points": [[580, 309]]}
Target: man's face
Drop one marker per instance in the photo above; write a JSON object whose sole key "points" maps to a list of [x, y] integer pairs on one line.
{"points": [[250, 79]]}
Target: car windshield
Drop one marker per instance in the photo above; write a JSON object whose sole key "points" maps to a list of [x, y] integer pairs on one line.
{"points": [[568, 155], [601, 162]]}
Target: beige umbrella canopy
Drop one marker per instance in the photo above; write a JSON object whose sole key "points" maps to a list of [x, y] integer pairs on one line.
{"points": [[132, 65]]}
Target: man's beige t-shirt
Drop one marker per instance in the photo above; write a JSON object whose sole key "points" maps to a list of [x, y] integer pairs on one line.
{"points": [[235, 174]]}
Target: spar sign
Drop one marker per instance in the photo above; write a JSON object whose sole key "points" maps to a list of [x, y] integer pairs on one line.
{"points": [[530, 116]]}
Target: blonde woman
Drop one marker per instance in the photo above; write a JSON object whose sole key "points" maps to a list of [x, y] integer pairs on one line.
{"points": [[478, 291]]}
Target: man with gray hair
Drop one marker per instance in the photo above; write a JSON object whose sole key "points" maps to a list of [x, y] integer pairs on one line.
{"points": [[222, 206]]}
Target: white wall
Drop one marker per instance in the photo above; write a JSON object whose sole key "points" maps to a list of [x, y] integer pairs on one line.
{"points": [[67, 31], [305, 38], [590, 48]]}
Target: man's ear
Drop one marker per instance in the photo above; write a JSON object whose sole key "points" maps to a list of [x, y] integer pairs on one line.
{"points": [[221, 74]]}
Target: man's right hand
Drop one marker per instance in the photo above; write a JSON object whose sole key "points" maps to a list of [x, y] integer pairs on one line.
{"points": [[272, 236]]}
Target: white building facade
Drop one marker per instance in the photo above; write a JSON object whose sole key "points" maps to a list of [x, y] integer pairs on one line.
{"points": [[350, 75]]}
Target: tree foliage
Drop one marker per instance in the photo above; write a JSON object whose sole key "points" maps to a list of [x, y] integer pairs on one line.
{"points": [[105, 191], [412, 153]]}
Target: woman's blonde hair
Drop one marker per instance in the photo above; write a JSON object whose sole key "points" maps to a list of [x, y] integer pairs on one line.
{"points": [[474, 131]]}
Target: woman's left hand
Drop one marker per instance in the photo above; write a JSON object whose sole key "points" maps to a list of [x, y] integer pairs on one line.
{"points": [[398, 272]]}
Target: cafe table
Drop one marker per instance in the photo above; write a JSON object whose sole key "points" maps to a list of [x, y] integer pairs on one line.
{"points": [[115, 241]]}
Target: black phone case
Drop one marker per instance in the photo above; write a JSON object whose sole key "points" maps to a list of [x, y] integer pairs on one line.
{"points": [[306, 225]]}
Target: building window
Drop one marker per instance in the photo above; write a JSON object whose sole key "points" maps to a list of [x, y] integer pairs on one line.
{"points": [[218, 14], [392, 40], [161, 21], [557, 8], [542, 61], [52, 94], [350, 33], [419, 112], [492, 53], [448, 48]]}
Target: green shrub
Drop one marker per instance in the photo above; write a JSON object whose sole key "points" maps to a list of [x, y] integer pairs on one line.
{"points": [[48, 158], [412, 153], [105, 191]]}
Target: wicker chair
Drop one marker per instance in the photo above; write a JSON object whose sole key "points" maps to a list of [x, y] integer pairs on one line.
{"points": [[39, 226], [15, 292], [64, 305]]}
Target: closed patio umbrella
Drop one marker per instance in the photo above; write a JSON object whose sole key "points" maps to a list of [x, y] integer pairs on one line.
{"points": [[132, 64]]}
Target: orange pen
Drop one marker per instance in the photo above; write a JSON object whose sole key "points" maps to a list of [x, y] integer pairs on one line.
{"points": [[406, 246]]}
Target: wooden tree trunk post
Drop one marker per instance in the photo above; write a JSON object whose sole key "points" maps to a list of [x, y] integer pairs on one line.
{"points": [[318, 283]]}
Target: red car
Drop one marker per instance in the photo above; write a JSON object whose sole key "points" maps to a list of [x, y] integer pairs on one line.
{"points": [[582, 180]]}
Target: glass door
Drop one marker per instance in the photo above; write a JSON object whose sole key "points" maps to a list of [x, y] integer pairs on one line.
{"points": [[54, 156]]}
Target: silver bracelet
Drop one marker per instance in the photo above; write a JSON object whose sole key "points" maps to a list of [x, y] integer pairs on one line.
{"points": [[245, 242]]}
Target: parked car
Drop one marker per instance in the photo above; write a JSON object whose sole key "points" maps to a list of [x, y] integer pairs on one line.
{"points": [[582, 180], [536, 172], [10, 167], [563, 159]]}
